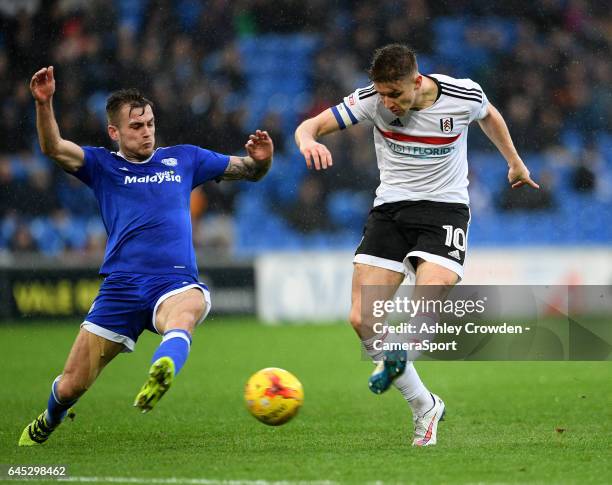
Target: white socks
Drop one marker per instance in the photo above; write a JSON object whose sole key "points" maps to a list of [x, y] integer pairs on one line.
{"points": [[368, 345], [414, 391]]}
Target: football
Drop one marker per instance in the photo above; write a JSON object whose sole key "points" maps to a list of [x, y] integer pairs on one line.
{"points": [[273, 395]]}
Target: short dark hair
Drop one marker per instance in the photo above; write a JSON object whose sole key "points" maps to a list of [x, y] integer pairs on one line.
{"points": [[131, 97], [392, 63]]}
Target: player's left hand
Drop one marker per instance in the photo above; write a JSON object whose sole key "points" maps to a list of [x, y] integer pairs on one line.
{"points": [[518, 175], [260, 146]]}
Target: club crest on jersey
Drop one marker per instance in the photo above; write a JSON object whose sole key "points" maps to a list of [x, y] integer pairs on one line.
{"points": [[170, 162], [446, 125]]}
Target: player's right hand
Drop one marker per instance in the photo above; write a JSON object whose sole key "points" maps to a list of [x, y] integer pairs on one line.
{"points": [[316, 154], [42, 84]]}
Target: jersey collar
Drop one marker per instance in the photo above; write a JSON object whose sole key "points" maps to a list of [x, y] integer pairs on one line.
{"points": [[437, 85], [119, 154], [438, 94]]}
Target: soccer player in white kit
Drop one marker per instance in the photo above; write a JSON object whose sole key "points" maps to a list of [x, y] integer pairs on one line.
{"points": [[419, 223]]}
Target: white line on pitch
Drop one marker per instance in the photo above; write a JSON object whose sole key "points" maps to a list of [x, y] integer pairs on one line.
{"points": [[188, 481]]}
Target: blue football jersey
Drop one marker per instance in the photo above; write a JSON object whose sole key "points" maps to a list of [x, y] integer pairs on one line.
{"points": [[146, 206]]}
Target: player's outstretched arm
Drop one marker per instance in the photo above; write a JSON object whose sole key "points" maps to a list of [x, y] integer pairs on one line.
{"points": [[67, 154], [253, 167], [316, 154], [496, 130]]}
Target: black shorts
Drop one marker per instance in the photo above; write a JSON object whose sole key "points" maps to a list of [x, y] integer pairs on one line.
{"points": [[397, 234]]}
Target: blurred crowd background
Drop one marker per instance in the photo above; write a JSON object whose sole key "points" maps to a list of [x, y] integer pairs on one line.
{"points": [[217, 69]]}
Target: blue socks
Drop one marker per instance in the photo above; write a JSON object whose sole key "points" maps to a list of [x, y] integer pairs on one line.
{"points": [[56, 409], [175, 344]]}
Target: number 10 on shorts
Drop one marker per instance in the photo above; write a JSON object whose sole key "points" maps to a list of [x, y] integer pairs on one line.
{"points": [[455, 237]]}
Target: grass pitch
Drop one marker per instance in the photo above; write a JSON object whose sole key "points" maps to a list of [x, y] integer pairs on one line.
{"points": [[507, 422]]}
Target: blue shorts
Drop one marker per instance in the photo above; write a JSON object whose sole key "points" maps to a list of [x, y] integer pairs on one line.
{"points": [[127, 304]]}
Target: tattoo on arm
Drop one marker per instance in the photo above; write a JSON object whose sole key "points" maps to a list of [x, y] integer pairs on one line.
{"points": [[245, 168]]}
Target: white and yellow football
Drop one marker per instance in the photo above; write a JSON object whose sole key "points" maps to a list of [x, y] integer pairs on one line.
{"points": [[273, 395]]}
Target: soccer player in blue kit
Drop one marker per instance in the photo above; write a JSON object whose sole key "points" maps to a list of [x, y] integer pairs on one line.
{"points": [[151, 277]]}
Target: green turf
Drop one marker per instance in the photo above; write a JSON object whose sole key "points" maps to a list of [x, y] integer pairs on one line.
{"points": [[501, 426]]}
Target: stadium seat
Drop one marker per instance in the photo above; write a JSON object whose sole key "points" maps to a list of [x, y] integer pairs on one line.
{"points": [[47, 238], [348, 209]]}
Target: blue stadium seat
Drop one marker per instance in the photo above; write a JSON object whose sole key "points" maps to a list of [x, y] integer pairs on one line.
{"points": [[71, 232], [131, 12], [47, 238], [7, 229], [348, 209], [605, 147], [275, 84], [188, 13], [573, 140]]}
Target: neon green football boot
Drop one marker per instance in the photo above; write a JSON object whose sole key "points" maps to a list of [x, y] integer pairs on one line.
{"points": [[161, 375], [39, 430]]}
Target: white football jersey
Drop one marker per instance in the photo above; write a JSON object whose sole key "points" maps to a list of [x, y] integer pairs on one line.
{"points": [[423, 154]]}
